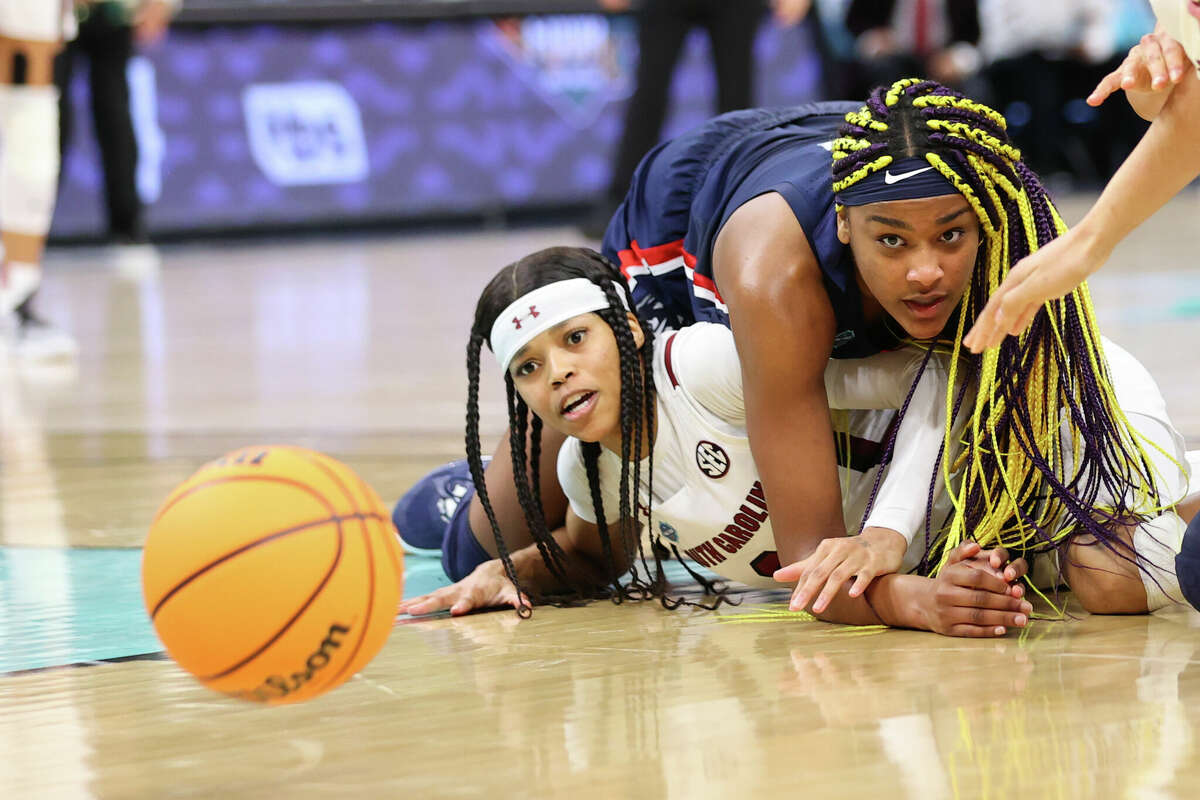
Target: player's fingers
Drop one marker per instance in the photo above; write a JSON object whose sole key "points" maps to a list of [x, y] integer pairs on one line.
{"points": [[1107, 85], [792, 572], [967, 577], [976, 631], [812, 582], [404, 605], [963, 552], [1016, 570], [861, 581], [508, 596], [989, 327], [1134, 75], [427, 604], [1025, 319], [832, 586], [992, 617], [1176, 59], [997, 557], [1155, 65]]}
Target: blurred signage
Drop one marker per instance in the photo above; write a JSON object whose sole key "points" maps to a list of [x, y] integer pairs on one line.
{"points": [[576, 63], [305, 133]]}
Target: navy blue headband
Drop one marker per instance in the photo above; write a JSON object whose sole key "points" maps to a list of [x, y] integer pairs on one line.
{"points": [[909, 179]]}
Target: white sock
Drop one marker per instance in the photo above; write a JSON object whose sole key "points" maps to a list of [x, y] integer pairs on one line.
{"points": [[21, 281]]}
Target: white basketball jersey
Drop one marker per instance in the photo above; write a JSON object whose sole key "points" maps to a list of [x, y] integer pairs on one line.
{"points": [[708, 499]]}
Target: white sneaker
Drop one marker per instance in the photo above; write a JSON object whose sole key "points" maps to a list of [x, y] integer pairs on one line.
{"points": [[34, 339], [136, 262]]}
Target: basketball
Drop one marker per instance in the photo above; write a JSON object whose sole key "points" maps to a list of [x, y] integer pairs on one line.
{"points": [[272, 574]]}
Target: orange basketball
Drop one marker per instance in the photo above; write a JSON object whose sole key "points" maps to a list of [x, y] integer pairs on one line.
{"points": [[272, 574]]}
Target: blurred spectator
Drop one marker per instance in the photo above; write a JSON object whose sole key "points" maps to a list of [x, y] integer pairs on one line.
{"points": [[914, 38], [663, 26], [840, 78], [31, 33], [1041, 60], [108, 32]]}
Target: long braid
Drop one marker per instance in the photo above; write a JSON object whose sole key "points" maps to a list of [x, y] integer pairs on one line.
{"points": [[1011, 480], [591, 465], [551, 552], [475, 462]]}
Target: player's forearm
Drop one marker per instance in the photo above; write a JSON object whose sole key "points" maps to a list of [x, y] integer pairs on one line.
{"points": [[893, 600], [1163, 162], [533, 572], [797, 466]]}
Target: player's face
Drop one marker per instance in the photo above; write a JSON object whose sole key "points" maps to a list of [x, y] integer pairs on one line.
{"points": [[570, 376], [914, 257], [1193, 7]]}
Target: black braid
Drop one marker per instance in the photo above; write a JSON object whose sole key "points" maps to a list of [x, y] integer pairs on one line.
{"points": [[475, 462]]}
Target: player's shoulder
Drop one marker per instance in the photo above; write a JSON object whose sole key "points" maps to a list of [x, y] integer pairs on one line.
{"points": [[702, 359]]}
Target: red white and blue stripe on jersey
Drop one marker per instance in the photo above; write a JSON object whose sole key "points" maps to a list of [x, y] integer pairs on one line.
{"points": [[663, 278]]}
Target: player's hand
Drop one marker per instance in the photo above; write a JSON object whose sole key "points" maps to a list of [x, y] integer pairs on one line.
{"points": [[1046, 274], [1154, 65], [970, 599], [790, 12], [874, 552], [486, 587]]}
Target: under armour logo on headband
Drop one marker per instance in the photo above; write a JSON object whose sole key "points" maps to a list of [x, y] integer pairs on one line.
{"points": [[548, 306], [533, 314]]}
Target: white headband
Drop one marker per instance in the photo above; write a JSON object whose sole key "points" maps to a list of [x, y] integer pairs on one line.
{"points": [[543, 308]]}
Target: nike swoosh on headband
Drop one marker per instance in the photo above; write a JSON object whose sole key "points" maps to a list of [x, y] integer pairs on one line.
{"points": [[889, 178]]}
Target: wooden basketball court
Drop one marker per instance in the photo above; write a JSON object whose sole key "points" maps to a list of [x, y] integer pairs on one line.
{"points": [[355, 346]]}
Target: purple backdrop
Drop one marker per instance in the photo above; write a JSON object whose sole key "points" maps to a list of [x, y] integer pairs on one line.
{"points": [[274, 124]]}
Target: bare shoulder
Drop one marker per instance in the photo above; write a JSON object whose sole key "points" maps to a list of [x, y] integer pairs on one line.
{"points": [[763, 238]]}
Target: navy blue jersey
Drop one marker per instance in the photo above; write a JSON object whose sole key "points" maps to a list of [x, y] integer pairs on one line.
{"points": [[684, 190]]}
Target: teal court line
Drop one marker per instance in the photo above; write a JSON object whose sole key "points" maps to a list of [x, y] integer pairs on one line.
{"points": [[62, 606], [72, 606]]}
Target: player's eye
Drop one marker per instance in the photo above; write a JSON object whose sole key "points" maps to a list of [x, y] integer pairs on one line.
{"points": [[524, 369], [953, 235], [891, 240], [577, 336]]}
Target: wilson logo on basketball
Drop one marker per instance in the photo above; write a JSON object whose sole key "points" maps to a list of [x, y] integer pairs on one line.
{"points": [[275, 687], [533, 314], [712, 460]]}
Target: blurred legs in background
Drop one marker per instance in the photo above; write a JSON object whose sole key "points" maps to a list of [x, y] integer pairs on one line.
{"points": [[31, 34]]}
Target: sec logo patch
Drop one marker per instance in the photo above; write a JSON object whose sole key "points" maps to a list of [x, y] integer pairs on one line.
{"points": [[712, 460]]}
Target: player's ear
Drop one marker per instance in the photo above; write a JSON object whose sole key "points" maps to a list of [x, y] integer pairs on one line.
{"points": [[639, 338], [843, 225]]}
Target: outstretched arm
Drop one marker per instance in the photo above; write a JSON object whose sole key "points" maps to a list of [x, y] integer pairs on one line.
{"points": [[783, 326], [489, 587], [1164, 161]]}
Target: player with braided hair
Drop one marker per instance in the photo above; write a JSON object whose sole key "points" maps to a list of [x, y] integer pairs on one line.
{"points": [[928, 207]]}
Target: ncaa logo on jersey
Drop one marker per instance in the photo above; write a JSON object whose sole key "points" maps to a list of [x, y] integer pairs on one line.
{"points": [[668, 531], [711, 459]]}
